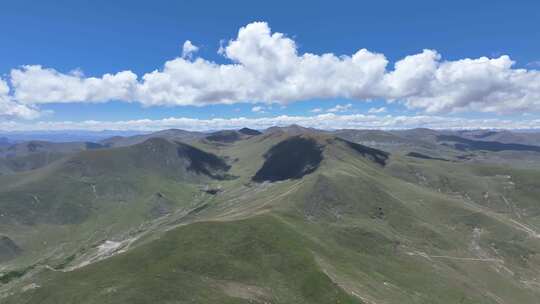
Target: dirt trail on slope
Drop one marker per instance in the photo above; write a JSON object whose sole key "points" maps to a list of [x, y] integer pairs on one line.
{"points": [[256, 208]]}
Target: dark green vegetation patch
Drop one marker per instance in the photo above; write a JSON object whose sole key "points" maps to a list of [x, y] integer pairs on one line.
{"points": [[92, 146], [375, 155], [463, 144], [290, 159], [202, 162], [224, 136], [486, 134], [424, 156], [14, 274], [248, 131], [8, 249]]}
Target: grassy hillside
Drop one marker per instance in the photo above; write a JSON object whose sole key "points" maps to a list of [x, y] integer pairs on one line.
{"points": [[80, 201], [33, 155], [255, 260], [359, 225]]}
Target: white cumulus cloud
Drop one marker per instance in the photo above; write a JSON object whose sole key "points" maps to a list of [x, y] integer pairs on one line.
{"points": [[482, 84], [340, 108], [188, 49], [257, 109], [9, 108], [267, 67], [326, 121], [33, 84], [377, 110]]}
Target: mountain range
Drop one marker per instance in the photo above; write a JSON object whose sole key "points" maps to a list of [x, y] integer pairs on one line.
{"points": [[281, 215]]}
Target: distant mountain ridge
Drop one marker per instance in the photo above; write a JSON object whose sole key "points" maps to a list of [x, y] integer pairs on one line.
{"points": [[30, 155]]}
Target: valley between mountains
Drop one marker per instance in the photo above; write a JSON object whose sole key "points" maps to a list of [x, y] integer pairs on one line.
{"points": [[282, 215]]}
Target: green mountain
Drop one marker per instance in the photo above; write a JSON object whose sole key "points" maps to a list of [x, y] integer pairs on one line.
{"points": [[32, 155], [291, 215], [170, 134]]}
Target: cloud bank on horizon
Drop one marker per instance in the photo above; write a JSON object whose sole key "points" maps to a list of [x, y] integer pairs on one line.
{"points": [[326, 121], [266, 67]]}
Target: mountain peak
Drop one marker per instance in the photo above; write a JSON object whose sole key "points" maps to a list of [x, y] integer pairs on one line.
{"points": [[248, 131], [293, 129]]}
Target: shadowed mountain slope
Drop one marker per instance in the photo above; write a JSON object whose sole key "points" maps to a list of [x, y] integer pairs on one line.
{"points": [[8, 249], [231, 136], [248, 131], [469, 144], [378, 156], [299, 155], [290, 159], [503, 136], [423, 156], [227, 136]]}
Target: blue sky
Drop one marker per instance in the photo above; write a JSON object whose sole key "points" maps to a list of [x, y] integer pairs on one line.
{"points": [[99, 37]]}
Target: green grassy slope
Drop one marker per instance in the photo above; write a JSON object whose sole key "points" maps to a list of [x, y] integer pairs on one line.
{"points": [[355, 230], [256, 260], [97, 195]]}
